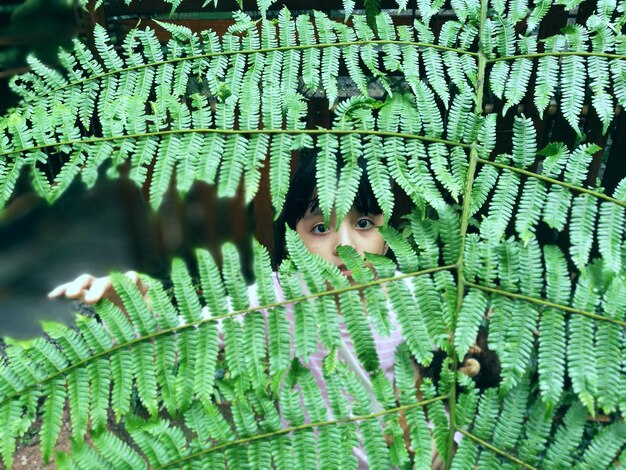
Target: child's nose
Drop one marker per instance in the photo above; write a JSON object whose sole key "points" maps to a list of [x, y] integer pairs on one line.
{"points": [[345, 237]]}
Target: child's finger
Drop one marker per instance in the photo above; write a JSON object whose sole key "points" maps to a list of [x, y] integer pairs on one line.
{"points": [[58, 290], [76, 287], [100, 288]]}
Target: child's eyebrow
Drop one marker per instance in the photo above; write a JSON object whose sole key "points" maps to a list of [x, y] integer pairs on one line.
{"points": [[312, 214]]}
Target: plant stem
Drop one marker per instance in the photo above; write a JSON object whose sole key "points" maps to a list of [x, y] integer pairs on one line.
{"points": [[558, 54], [302, 427], [492, 448], [546, 303], [553, 181], [256, 51], [214, 319], [467, 197], [96, 140]]}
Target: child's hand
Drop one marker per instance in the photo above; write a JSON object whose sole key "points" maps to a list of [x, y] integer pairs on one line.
{"points": [[89, 289]]}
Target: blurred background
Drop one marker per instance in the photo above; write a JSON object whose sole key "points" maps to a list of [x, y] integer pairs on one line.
{"points": [[111, 226]]}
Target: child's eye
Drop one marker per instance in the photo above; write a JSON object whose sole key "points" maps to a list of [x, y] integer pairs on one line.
{"points": [[364, 224], [319, 228]]}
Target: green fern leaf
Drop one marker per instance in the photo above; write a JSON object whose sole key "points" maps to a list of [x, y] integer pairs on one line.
{"points": [[532, 280], [556, 209], [188, 303], [232, 166], [604, 446], [425, 237], [578, 164], [581, 358], [483, 184], [326, 173], [375, 300], [498, 78], [419, 173], [145, 375], [517, 82], [510, 423], [610, 235], [117, 452], [449, 226], [428, 111], [213, 290], [257, 152], [537, 432], [501, 208], [566, 437], [279, 341], [608, 341], [378, 174], [163, 169], [165, 367], [519, 344], [439, 161], [524, 142], [461, 107], [413, 327], [429, 303], [582, 224], [539, 11], [508, 265], [185, 375], [470, 316], [437, 414], [280, 156], [186, 168], [573, 75], [305, 332], [211, 157], [52, 415], [433, 63], [529, 208]]}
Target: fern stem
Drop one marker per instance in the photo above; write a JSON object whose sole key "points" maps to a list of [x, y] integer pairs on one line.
{"points": [[302, 427], [140, 339], [241, 131], [256, 51], [547, 303], [572, 187], [558, 54], [467, 197], [492, 448]]}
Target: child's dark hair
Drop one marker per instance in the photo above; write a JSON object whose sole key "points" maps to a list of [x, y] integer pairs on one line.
{"points": [[302, 197]]}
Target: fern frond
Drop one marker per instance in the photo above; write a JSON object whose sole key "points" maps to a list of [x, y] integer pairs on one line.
{"points": [[413, 327], [470, 316], [610, 236], [55, 394], [524, 142], [581, 358], [517, 82], [501, 208], [529, 208], [532, 282], [561, 450], [509, 426], [232, 166], [378, 174], [280, 156], [536, 433], [498, 78], [582, 223], [519, 344]]}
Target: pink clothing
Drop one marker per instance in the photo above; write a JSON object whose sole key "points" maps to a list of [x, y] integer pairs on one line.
{"points": [[385, 349]]}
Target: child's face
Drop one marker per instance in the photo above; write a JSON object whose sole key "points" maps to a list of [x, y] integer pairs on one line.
{"points": [[357, 230]]}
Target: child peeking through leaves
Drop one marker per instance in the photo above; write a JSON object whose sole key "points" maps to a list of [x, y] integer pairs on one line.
{"points": [[358, 230]]}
